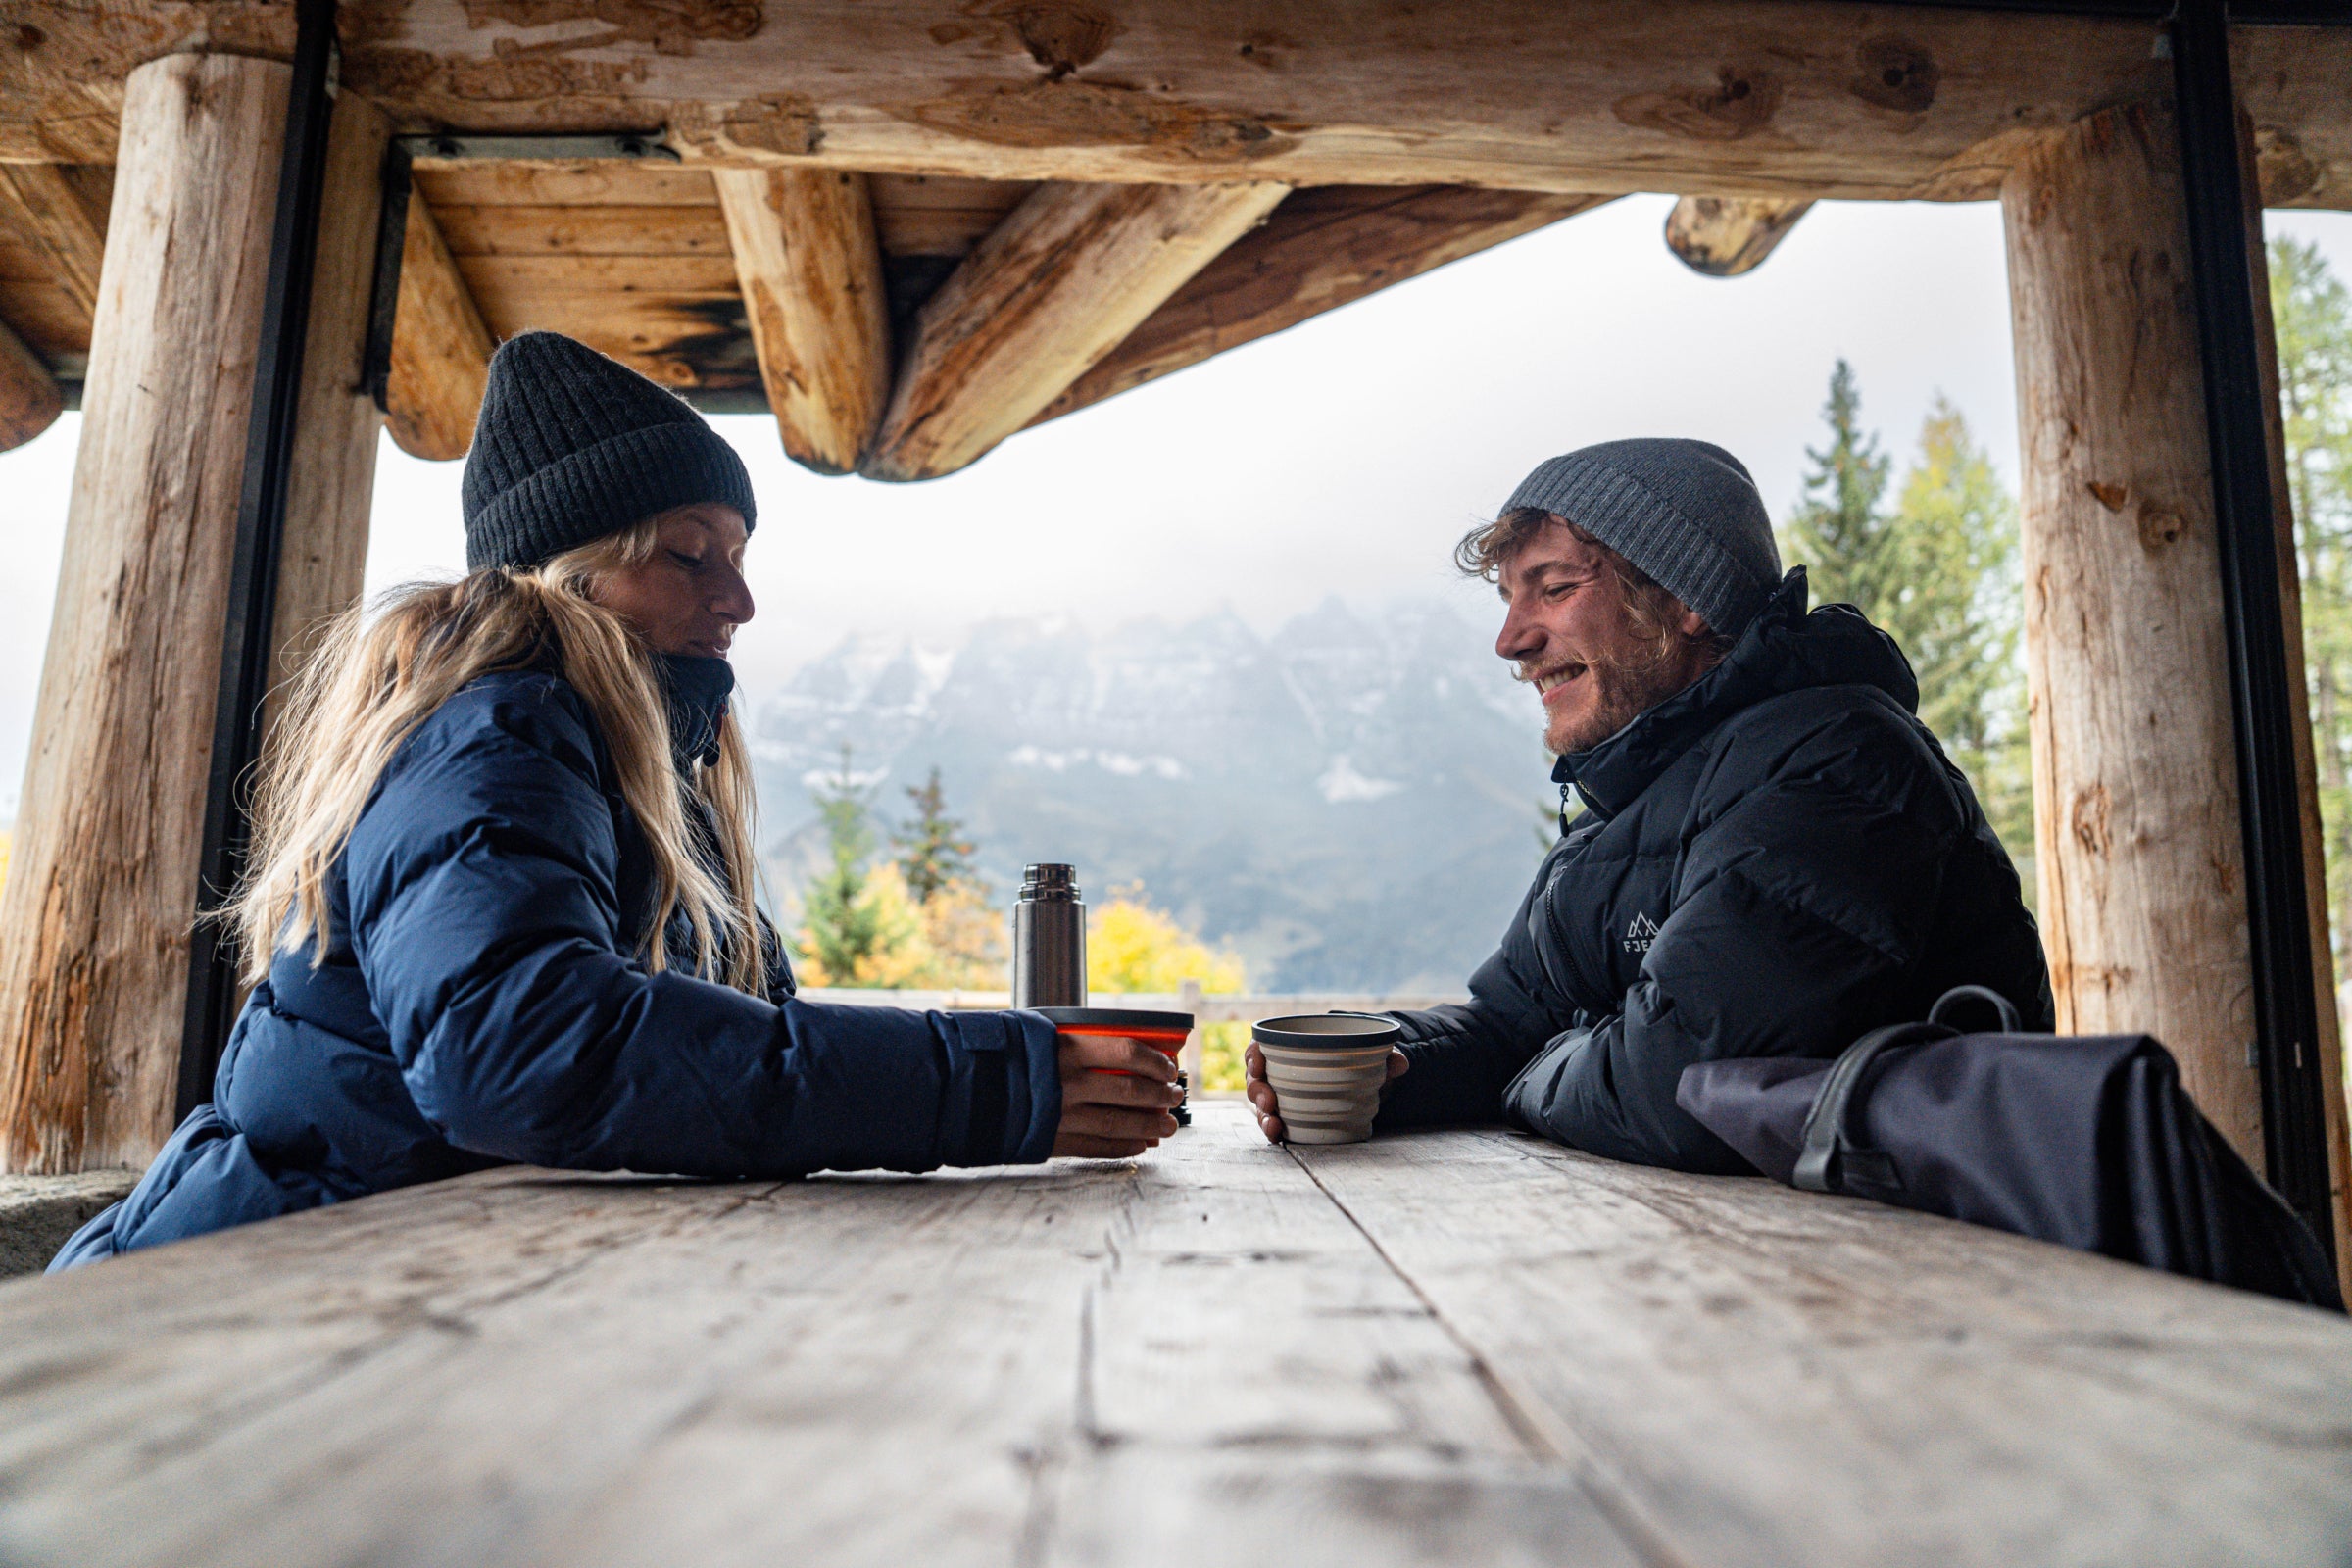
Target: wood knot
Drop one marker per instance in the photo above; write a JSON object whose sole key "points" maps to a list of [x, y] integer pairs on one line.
{"points": [[2159, 526], [2090, 820], [1897, 75], [2110, 496], [1744, 99], [29, 38], [2284, 170], [1061, 35]]}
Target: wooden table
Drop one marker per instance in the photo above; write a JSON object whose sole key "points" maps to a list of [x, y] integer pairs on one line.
{"points": [[1451, 1347]]}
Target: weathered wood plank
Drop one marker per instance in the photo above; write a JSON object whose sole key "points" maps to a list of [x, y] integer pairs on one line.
{"points": [[1052, 289], [44, 208], [46, 317], [1319, 250], [924, 215], [102, 884], [538, 230], [2142, 858], [517, 278], [1724, 237], [30, 399], [595, 182], [440, 348], [533, 1368], [810, 268], [1776, 1378]]}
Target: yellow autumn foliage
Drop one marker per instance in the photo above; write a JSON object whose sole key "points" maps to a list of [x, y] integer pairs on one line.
{"points": [[955, 942], [1132, 947]]}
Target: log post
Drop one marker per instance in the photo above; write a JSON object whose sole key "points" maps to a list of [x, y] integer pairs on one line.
{"points": [[330, 483], [94, 919], [2135, 797]]}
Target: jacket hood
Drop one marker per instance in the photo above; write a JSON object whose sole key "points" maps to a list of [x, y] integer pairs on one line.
{"points": [[1785, 649]]}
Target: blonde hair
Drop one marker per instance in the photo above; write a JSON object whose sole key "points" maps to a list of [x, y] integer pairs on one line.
{"points": [[379, 673]]}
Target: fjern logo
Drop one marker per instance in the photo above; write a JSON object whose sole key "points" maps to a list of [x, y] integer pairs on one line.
{"points": [[1640, 934]]}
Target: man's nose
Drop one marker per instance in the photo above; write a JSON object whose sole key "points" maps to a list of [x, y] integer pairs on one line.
{"points": [[1520, 636]]}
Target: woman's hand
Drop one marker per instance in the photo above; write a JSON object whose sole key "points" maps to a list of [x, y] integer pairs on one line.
{"points": [[1262, 1092], [1106, 1116]]}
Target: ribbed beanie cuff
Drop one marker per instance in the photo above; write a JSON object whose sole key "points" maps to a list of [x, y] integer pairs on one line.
{"points": [[1686, 512], [571, 447]]}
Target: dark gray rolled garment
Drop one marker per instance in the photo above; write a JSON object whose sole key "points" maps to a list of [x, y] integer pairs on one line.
{"points": [[1772, 862]]}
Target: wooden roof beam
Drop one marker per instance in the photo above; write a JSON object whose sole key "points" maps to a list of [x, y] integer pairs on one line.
{"points": [[440, 348], [40, 202], [810, 266], [1058, 284], [1704, 97], [1724, 237], [1319, 250], [30, 399]]}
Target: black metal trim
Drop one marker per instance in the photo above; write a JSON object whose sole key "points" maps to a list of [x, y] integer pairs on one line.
{"points": [[261, 524], [2261, 689], [384, 298]]}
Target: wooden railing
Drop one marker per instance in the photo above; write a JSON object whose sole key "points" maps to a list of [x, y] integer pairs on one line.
{"points": [[1205, 1007]]}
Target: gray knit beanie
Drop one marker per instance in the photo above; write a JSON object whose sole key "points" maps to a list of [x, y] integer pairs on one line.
{"points": [[571, 446], [1684, 512]]}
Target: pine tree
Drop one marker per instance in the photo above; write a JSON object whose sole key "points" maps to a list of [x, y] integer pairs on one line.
{"points": [[1838, 530], [1937, 570], [933, 855], [842, 927]]}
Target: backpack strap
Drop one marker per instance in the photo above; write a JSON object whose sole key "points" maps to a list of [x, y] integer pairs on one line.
{"points": [[1960, 996], [1830, 1156]]}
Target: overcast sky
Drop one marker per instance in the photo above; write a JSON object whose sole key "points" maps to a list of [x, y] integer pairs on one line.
{"points": [[1343, 456]]}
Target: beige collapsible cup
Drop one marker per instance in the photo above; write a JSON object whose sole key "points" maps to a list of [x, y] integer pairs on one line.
{"points": [[1327, 1070]]}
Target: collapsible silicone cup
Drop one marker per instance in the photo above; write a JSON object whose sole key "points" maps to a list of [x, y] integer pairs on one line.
{"points": [[1327, 1070], [1163, 1032]]}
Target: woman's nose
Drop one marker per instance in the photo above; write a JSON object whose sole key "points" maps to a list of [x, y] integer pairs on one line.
{"points": [[733, 602]]}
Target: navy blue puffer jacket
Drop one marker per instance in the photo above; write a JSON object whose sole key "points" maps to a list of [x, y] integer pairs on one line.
{"points": [[484, 1001], [1772, 862]]}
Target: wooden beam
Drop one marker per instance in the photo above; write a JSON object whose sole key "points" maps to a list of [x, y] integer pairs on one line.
{"points": [[1703, 97], [1319, 250], [440, 348], [2141, 854], [30, 399], [811, 269], [1724, 237], [40, 203], [330, 483], [95, 914], [1067, 276]]}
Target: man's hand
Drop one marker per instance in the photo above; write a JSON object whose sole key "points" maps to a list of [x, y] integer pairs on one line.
{"points": [[1262, 1092], [1106, 1116]]}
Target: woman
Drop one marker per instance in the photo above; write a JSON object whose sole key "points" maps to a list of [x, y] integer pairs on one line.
{"points": [[500, 905]]}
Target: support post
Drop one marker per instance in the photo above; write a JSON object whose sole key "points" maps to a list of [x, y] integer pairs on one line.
{"points": [[94, 917], [2135, 796], [440, 349]]}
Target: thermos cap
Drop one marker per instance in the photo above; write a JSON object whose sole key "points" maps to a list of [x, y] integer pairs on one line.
{"points": [[1049, 880]]}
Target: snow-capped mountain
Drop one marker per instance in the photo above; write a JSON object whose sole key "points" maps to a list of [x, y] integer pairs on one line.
{"points": [[1354, 802]]}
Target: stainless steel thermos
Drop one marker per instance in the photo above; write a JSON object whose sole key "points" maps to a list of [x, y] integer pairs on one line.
{"points": [[1049, 940]]}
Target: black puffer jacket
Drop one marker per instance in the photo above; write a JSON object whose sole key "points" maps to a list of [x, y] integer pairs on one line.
{"points": [[1772, 862]]}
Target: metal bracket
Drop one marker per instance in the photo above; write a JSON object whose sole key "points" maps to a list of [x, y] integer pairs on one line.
{"points": [[539, 149]]}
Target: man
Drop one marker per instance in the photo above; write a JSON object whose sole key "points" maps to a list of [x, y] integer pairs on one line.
{"points": [[1775, 857]]}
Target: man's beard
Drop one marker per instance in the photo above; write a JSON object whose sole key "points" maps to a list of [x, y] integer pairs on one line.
{"points": [[1626, 688]]}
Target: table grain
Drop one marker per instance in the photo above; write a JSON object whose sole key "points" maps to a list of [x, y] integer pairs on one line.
{"points": [[1464, 1347]]}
